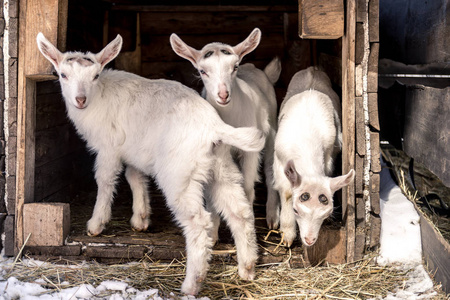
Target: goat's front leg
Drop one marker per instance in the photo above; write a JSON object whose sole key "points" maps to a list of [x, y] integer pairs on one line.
{"points": [[107, 168], [141, 199], [288, 225]]}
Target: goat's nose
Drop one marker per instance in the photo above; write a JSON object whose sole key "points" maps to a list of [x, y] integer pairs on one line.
{"points": [[310, 241], [223, 95], [81, 101]]}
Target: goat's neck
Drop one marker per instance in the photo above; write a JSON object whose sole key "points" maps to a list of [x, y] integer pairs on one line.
{"points": [[238, 103]]}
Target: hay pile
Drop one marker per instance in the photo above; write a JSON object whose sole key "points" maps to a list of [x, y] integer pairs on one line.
{"points": [[360, 280]]}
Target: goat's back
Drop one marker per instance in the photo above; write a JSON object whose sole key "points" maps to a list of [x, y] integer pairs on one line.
{"points": [[313, 79], [306, 128]]}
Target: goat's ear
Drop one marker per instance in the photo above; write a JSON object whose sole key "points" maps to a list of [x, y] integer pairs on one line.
{"points": [[292, 174], [249, 44], [49, 51], [183, 50], [110, 51], [339, 182]]}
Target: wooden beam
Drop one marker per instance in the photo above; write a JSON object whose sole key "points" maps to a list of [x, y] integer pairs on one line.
{"points": [[348, 124], [321, 19], [50, 18]]}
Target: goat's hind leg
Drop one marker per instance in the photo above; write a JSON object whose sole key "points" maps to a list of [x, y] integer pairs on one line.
{"points": [[273, 201], [138, 182], [230, 201], [188, 209], [106, 171]]}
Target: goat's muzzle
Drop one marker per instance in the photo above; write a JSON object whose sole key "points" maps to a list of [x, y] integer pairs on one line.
{"points": [[81, 101]]}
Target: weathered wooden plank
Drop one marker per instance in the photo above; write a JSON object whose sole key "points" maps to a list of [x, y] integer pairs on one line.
{"points": [[361, 10], [35, 16], [332, 65], [359, 43], [360, 213], [9, 246], [330, 247], [208, 8], [41, 16], [46, 251], [321, 19], [207, 23], [157, 49], [360, 243], [47, 224], [372, 75], [126, 252], [375, 193], [427, 129], [436, 252], [374, 8], [348, 124], [55, 143], [50, 111], [373, 110], [375, 230], [375, 152], [60, 173], [360, 127], [359, 176]]}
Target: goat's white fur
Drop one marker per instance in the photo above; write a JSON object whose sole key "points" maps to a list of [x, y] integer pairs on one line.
{"points": [[307, 141], [163, 129], [243, 96]]}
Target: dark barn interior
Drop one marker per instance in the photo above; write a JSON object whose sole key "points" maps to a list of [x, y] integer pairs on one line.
{"points": [[64, 168]]}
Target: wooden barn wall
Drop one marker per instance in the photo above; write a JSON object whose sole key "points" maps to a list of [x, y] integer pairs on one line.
{"points": [[62, 161], [416, 31], [418, 44], [8, 115], [147, 51], [3, 208]]}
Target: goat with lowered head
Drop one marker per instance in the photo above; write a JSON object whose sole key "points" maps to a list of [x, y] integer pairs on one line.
{"points": [[163, 129], [308, 139], [243, 96]]}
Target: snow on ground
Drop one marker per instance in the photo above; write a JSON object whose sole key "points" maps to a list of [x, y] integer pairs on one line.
{"points": [[112, 290], [400, 240], [400, 245]]}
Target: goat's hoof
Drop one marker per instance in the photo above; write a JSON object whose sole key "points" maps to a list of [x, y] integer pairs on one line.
{"points": [[139, 224], [272, 223], [189, 288], [94, 230], [247, 272]]}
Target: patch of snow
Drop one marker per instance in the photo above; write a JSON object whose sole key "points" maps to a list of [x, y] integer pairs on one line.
{"points": [[400, 241]]}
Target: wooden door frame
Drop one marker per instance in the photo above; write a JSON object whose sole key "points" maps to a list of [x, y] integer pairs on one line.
{"points": [[50, 18]]}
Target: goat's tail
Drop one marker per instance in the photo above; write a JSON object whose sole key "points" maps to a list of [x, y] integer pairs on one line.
{"points": [[248, 139], [273, 70]]}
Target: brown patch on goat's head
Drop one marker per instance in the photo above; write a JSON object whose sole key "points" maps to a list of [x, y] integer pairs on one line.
{"points": [[82, 60]]}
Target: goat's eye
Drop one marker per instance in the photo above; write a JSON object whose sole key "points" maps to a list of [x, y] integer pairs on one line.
{"points": [[208, 54], [96, 77], [226, 52], [202, 72], [305, 196], [63, 75], [236, 67], [323, 199]]}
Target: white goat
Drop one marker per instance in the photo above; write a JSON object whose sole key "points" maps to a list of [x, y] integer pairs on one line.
{"points": [[307, 141], [164, 129], [243, 96]]}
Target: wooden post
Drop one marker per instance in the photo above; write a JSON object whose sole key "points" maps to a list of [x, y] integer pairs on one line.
{"points": [[348, 124], [50, 18]]}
